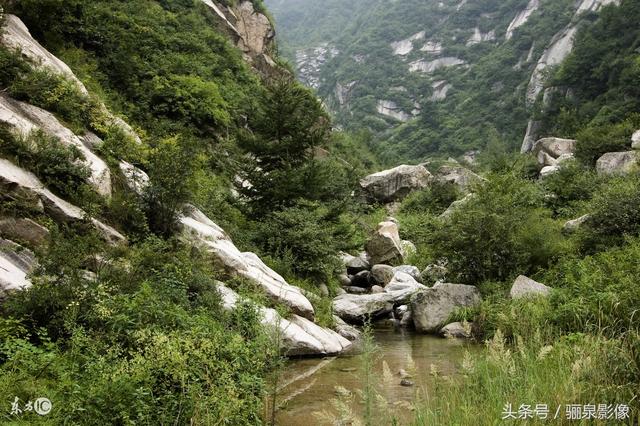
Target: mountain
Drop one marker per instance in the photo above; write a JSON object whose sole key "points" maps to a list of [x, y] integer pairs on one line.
{"points": [[431, 77]]}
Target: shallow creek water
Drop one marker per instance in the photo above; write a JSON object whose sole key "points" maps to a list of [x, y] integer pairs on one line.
{"points": [[308, 386]]}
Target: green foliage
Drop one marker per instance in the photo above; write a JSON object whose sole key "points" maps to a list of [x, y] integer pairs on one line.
{"points": [[501, 232], [171, 172], [306, 235], [435, 199], [614, 214], [145, 341], [59, 167], [570, 188], [601, 138]]}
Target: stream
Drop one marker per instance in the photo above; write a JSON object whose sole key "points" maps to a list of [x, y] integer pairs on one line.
{"points": [[308, 387]]}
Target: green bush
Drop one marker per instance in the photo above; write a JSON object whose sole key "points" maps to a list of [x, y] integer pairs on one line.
{"points": [[435, 199], [598, 139], [570, 188], [500, 233], [60, 167], [614, 214], [305, 235]]}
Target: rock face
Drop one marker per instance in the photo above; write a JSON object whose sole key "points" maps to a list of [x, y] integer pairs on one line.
{"points": [[384, 245], [533, 128], [522, 17], [617, 163], [251, 30], [23, 229], [440, 90], [395, 184], [429, 67], [136, 179], [432, 307], [480, 37], [391, 109], [526, 287], [25, 119], [17, 36], [298, 336], [16, 183], [404, 47], [254, 27], [200, 230], [560, 47], [16, 263]]}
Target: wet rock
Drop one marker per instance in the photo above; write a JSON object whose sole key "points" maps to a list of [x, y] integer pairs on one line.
{"points": [[345, 330], [456, 330], [432, 307]]}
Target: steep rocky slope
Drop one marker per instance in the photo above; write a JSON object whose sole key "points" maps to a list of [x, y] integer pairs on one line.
{"points": [[433, 77], [253, 35]]}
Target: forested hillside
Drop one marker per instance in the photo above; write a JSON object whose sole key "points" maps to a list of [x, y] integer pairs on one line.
{"points": [[190, 236], [430, 78]]}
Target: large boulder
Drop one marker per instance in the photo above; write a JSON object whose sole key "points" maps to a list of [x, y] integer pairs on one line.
{"points": [[432, 307], [553, 147], [347, 331], [16, 263], [459, 176], [617, 163], [526, 287], [395, 184], [385, 246], [356, 309], [24, 229], [298, 336], [18, 184], [201, 231], [25, 119]]}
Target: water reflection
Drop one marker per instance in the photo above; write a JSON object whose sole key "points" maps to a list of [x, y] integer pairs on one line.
{"points": [[313, 386]]}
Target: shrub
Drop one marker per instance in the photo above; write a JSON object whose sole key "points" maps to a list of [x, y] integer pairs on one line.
{"points": [[596, 140], [305, 235], [614, 214], [570, 187], [435, 199], [501, 232]]}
